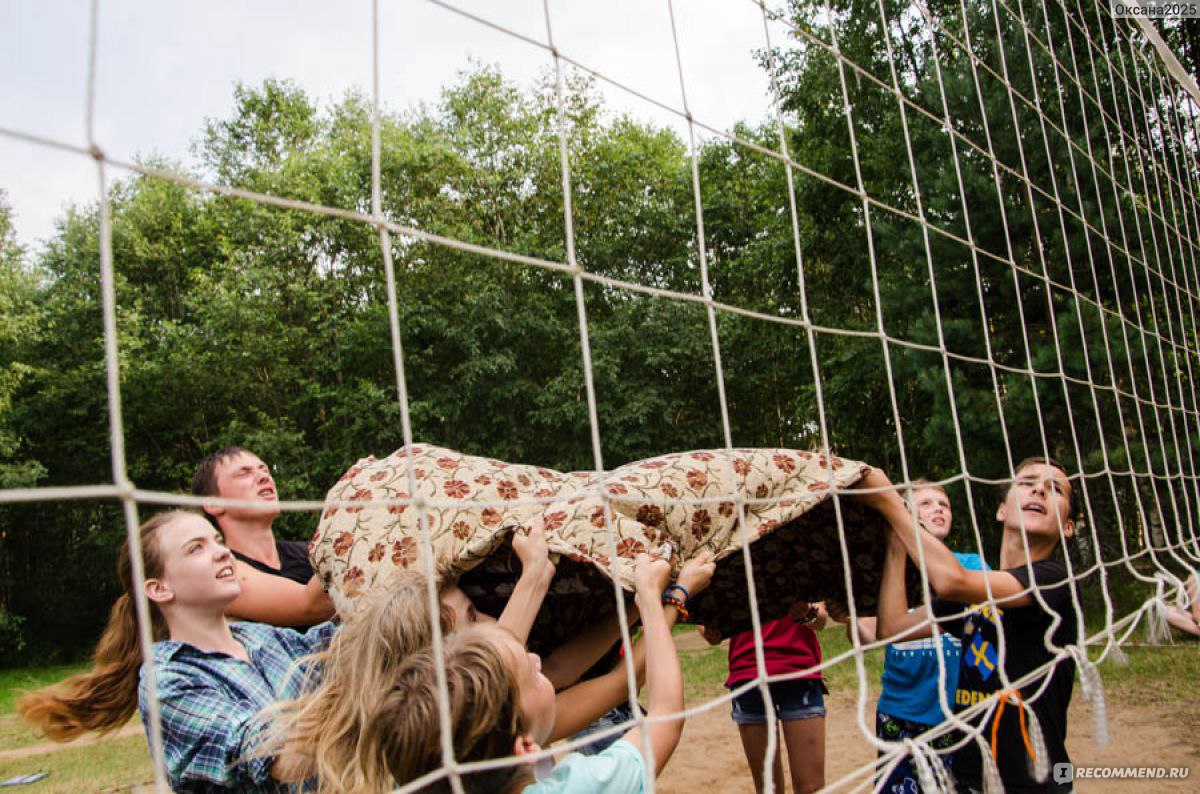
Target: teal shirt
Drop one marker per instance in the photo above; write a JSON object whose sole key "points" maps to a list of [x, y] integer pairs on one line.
{"points": [[617, 770]]}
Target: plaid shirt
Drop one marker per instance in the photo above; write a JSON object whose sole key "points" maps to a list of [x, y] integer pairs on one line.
{"points": [[209, 701]]}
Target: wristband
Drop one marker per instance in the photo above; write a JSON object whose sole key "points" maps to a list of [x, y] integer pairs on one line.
{"points": [[686, 595], [808, 617]]}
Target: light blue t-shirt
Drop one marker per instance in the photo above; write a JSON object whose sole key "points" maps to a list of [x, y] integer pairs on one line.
{"points": [[910, 671], [617, 770]]}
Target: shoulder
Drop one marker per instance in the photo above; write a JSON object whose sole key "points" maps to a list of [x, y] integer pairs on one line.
{"points": [[293, 642], [619, 768]]}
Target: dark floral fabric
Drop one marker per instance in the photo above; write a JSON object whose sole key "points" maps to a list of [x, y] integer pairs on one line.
{"points": [[596, 523]]}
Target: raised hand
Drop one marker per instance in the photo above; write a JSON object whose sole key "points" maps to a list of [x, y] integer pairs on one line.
{"points": [[651, 575], [532, 550]]}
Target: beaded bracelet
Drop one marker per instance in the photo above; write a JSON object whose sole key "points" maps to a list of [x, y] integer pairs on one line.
{"points": [[680, 606]]}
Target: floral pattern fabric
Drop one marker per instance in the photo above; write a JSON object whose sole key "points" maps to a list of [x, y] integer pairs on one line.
{"points": [[596, 523]]}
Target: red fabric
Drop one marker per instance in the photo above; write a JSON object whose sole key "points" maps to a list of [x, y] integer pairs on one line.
{"points": [[787, 648]]}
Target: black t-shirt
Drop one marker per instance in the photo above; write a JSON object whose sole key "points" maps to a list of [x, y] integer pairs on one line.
{"points": [[293, 561], [1025, 649]]}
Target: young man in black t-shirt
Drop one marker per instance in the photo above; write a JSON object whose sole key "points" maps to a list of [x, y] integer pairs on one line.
{"points": [[278, 585], [1038, 515]]}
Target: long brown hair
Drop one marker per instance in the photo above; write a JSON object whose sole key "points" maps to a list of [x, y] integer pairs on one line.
{"points": [[321, 730], [104, 698], [401, 741]]}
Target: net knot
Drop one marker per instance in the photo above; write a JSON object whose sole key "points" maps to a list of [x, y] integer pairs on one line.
{"points": [[931, 772], [1158, 630], [1093, 692]]}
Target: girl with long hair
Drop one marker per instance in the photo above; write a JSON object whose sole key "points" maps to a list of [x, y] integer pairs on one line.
{"points": [[502, 704], [212, 676], [321, 731]]}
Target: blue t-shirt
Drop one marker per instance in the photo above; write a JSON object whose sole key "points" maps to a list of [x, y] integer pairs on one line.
{"points": [[910, 671], [617, 770]]}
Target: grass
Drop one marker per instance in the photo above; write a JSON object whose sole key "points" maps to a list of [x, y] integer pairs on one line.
{"points": [[116, 764], [1162, 678], [13, 682]]}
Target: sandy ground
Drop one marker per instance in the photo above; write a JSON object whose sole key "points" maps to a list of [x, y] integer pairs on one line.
{"points": [[710, 759]]}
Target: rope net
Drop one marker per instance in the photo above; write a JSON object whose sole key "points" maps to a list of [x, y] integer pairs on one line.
{"points": [[1049, 160]]}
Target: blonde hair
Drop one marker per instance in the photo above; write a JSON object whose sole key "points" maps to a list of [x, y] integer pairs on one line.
{"points": [[321, 729], [923, 484], [104, 698], [401, 741]]}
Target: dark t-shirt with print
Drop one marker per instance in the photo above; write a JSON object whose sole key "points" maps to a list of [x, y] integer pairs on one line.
{"points": [[293, 561], [1025, 650]]}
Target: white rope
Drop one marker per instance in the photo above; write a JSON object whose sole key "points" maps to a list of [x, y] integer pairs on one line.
{"points": [[1167, 268], [112, 371]]}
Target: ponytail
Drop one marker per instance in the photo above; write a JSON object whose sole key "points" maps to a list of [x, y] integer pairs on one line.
{"points": [[104, 698]]}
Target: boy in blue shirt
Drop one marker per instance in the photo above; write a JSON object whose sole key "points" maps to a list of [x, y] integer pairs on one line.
{"points": [[909, 704]]}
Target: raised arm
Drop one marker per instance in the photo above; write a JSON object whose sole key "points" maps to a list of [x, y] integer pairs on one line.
{"points": [[948, 578], [278, 601], [575, 657], [894, 616], [664, 681], [536, 574], [582, 704]]}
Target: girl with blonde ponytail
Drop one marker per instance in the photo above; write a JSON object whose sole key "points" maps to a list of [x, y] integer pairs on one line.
{"points": [[212, 676]]}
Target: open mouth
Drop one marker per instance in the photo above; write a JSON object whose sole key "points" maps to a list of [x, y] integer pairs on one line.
{"points": [[225, 573], [1034, 508], [266, 493]]}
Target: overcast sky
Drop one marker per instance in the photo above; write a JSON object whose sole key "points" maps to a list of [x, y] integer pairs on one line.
{"points": [[164, 66]]}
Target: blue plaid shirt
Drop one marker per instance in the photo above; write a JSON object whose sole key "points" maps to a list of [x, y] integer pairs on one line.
{"points": [[209, 701]]}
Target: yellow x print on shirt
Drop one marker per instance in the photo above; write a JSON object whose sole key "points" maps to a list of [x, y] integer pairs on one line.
{"points": [[979, 652]]}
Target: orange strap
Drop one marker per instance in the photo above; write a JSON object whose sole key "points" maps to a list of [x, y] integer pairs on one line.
{"points": [[1004, 696]]}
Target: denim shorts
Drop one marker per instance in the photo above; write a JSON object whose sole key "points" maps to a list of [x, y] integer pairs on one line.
{"points": [[798, 699], [618, 716]]}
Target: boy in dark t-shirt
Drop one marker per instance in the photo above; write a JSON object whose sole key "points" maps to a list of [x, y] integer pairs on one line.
{"points": [[278, 585], [1024, 629], [1037, 514]]}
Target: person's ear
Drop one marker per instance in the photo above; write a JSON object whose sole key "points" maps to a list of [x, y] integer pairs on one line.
{"points": [[159, 591], [525, 745], [216, 511], [1069, 528], [1000, 513]]}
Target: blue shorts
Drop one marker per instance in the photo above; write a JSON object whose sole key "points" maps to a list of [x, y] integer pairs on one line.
{"points": [[798, 699]]}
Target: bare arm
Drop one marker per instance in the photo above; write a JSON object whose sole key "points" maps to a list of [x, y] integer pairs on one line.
{"points": [[279, 601], [1193, 591], [572, 659], [581, 705], [867, 630], [948, 578], [567, 663], [664, 681], [536, 574], [894, 617]]}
